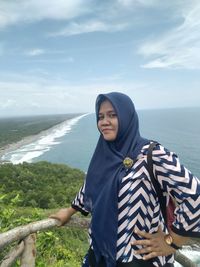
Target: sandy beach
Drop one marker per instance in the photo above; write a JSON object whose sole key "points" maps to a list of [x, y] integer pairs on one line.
{"points": [[28, 139], [25, 141]]}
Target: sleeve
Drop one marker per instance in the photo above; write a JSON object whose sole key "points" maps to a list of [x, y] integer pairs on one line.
{"points": [[78, 203], [183, 186]]}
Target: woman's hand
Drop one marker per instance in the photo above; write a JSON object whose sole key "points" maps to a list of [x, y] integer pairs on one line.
{"points": [[63, 215], [154, 245]]}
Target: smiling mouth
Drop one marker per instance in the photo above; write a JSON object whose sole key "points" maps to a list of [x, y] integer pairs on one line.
{"points": [[106, 130]]}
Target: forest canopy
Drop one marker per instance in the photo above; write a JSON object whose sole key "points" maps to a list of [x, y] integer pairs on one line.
{"points": [[41, 185], [32, 191]]}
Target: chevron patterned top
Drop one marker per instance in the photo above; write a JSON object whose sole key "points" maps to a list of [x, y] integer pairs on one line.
{"points": [[138, 204]]}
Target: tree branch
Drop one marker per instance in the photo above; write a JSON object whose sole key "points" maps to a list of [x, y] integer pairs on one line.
{"points": [[12, 256], [21, 232], [29, 253]]}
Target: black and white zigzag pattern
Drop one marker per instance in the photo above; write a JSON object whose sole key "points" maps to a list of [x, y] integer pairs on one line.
{"points": [[138, 204]]}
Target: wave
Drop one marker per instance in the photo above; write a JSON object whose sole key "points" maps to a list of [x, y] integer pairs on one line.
{"points": [[46, 140]]}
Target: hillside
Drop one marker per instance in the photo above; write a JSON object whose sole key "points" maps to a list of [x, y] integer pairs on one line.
{"points": [[31, 192]]}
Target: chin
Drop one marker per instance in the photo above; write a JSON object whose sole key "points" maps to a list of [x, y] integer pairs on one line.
{"points": [[109, 138]]}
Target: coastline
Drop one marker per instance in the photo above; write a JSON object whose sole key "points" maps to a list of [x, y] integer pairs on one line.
{"points": [[31, 138], [24, 141]]}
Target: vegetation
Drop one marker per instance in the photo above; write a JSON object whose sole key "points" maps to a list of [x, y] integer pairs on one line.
{"points": [[42, 184], [30, 192], [14, 129]]}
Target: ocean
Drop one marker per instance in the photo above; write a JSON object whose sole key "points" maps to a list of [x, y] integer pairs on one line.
{"points": [[73, 142]]}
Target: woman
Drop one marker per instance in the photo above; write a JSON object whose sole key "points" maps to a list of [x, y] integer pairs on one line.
{"points": [[127, 226]]}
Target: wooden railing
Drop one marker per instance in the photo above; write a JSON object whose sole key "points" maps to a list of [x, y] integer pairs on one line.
{"points": [[26, 237]]}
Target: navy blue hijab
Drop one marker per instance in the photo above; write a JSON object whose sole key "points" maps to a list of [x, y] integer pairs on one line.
{"points": [[105, 172]]}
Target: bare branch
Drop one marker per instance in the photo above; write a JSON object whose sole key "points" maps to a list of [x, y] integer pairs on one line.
{"points": [[12, 256], [29, 253], [21, 232]]}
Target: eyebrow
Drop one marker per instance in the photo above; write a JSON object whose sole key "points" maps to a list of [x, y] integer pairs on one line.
{"points": [[109, 111]]}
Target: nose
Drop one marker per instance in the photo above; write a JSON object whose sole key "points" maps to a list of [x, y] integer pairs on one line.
{"points": [[105, 120]]}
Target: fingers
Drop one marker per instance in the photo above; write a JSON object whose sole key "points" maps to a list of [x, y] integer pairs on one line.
{"points": [[148, 246], [150, 252], [160, 229], [142, 234], [151, 245], [150, 256], [144, 250], [142, 242]]}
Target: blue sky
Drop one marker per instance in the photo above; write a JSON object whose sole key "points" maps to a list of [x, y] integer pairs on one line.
{"points": [[56, 56]]}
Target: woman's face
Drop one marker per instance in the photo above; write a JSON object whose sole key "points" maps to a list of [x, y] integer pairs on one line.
{"points": [[107, 121]]}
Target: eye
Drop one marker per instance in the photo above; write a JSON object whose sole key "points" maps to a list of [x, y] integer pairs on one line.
{"points": [[100, 117], [112, 115], [109, 115]]}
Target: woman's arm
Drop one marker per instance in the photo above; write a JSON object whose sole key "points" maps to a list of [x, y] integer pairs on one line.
{"points": [[64, 215], [179, 182]]}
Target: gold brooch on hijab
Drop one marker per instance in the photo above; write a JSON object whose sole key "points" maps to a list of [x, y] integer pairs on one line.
{"points": [[128, 163]]}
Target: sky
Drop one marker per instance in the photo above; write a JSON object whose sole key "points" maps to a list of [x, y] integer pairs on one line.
{"points": [[56, 56]]}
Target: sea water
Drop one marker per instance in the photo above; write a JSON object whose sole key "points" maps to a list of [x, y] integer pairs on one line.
{"points": [[74, 141]]}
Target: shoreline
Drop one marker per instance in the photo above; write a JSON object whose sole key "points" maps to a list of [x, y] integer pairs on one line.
{"points": [[24, 141], [30, 139]]}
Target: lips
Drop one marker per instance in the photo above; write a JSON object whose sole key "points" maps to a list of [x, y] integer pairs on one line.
{"points": [[106, 130]]}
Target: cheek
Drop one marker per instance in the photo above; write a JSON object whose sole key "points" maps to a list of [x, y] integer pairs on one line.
{"points": [[98, 125], [116, 125]]}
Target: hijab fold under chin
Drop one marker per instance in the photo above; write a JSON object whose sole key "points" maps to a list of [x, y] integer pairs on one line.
{"points": [[105, 173]]}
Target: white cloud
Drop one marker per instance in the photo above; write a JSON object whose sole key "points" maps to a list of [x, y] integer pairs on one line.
{"points": [[32, 95], [111, 16], [7, 103], [104, 17], [128, 3], [53, 60], [178, 48], [54, 87], [88, 27], [16, 11], [35, 52], [53, 96]]}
